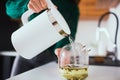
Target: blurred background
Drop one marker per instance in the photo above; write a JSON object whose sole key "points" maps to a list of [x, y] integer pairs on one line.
{"points": [[98, 28], [7, 52], [102, 52]]}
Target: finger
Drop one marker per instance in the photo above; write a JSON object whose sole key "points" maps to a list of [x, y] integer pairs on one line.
{"points": [[43, 4], [36, 5], [57, 52], [31, 7]]}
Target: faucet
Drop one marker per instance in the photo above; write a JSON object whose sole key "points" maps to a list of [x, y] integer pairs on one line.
{"points": [[112, 54]]}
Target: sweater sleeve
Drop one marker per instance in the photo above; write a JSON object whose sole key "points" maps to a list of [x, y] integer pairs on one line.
{"points": [[15, 8]]}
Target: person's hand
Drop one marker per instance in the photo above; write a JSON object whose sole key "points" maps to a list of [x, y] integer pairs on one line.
{"points": [[65, 60], [37, 5]]}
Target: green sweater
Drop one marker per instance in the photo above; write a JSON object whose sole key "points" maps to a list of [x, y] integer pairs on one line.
{"points": [[69, 10]]}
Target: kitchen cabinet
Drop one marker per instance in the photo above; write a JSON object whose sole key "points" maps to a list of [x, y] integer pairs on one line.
{"points": [[91, 9]]}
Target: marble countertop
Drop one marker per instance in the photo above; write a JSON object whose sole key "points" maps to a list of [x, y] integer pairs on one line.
{"points": [[50, 72]]}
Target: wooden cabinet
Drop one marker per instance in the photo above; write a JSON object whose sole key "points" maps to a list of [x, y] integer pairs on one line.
{"points": [[91, 9]]}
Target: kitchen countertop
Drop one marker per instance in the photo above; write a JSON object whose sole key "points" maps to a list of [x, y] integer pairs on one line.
{"points": [[50, 72]]}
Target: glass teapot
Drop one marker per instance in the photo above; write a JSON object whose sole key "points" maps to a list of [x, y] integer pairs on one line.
{"points": [[73, 62]]}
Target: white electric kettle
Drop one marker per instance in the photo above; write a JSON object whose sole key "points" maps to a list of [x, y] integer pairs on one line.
{"points": [[40, 33]]}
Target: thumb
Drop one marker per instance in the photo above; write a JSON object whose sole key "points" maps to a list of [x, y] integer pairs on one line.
{"points": [[57, 52]]}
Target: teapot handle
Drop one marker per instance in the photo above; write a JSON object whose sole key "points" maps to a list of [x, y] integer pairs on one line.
{"points": [[29, 12]]}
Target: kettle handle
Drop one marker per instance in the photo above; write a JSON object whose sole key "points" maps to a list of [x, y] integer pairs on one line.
{"points": [[29, 12]]}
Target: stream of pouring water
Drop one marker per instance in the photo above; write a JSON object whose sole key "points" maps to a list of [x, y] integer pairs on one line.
{"points": [[70, 39]]}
